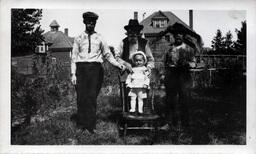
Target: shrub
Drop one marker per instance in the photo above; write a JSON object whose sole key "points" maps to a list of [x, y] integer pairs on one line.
{"points": [[38, 92]]}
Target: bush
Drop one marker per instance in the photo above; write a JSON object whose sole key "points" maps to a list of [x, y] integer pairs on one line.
{"points": [[36, 93]]}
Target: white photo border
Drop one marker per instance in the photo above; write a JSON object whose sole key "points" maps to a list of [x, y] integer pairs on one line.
{"points": [[5, 61]]}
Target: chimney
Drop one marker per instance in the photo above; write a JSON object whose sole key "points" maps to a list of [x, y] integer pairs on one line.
{"points": [[191, 19], [143, 16], [136, 15], [66, 31]]}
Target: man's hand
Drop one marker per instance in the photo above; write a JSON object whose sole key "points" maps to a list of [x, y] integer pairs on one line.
{"points": [[128, 67], [73, 79], [122, 67], [148, 71]]}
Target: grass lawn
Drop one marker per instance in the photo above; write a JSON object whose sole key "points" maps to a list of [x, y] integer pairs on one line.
{"points": [[216, 117]]}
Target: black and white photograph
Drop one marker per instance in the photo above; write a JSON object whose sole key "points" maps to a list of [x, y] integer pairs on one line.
{"points": [[140, 77]]}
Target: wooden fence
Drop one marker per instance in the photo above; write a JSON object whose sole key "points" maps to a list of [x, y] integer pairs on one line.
{"points": [[222, 61]]}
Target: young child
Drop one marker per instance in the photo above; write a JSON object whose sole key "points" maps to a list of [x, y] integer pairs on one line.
{"points": [[138, 81]]}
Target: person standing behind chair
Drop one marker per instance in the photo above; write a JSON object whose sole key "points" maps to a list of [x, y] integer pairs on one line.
{"points": [[178, 81], [138, 81], [89, 50], [133, 43]]}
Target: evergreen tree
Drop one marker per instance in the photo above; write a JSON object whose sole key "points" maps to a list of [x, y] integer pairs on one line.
{"points": [[26, 32], [240, 44], [228, 43], [218, 42]]}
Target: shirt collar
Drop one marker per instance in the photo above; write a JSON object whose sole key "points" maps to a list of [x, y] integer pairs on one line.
{"points": [[86, 32]]}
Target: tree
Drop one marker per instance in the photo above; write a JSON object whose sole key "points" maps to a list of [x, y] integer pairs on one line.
{"points": [[228, 43], [26, 32], [240, 44], [218, 42]]}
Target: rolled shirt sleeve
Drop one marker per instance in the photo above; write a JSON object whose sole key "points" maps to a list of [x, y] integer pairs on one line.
{"points": [[119, 53], [74, 55], [108, 55]]}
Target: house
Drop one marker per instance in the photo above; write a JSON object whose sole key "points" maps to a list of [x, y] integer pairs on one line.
{"points": [[159, 22], [60, 45]]}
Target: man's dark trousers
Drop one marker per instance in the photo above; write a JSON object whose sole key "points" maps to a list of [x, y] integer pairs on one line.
{"points": [[178, 83], [89, 81]]}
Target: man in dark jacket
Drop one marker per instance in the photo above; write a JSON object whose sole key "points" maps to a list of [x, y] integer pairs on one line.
{"points": [[133, 43], [178, 82]]}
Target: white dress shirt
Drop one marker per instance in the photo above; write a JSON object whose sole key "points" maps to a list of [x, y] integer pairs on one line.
{"points": [[90, 48]]}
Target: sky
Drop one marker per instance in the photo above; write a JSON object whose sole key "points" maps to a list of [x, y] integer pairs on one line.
{"points": [[111, 22]]}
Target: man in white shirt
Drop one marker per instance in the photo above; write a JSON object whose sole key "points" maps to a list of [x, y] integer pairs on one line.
{"points": [[89, 50]]}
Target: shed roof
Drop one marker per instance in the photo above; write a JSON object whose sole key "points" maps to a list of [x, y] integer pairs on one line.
{"points": [[58, 40]]}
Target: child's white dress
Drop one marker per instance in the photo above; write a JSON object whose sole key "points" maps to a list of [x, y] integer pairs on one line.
{"points": [[136, 81]]}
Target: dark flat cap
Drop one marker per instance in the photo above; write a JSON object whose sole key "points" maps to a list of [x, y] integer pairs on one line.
{"points": [[90, 16]]}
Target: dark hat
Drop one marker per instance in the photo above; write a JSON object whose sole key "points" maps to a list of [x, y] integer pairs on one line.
{"points": [[90, 16], [133, 25]]}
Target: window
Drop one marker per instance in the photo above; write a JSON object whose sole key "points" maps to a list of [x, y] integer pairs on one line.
{"points": [[42, 49], [160, 23], [157, 24]]}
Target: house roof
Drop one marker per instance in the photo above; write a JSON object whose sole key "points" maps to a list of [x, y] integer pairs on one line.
{"points": [[58, 40], [172, 19]]}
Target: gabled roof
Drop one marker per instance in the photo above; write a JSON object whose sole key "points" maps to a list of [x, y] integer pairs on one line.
{"points": [[54, 24], [159, 15], [58, 39], [147, 23]]}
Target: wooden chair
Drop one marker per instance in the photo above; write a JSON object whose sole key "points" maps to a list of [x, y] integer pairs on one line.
{"points": [[134, 121]]}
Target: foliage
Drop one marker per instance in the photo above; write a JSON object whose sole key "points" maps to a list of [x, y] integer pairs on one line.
{"points": [[36, 93], [240, 44], [110, 75], [218, 42], [26, 32], [217, 115], [225, 45], [228, 43]]}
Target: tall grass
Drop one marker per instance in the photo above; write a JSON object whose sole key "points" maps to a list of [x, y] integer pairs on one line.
{"points": [[217, 115]]}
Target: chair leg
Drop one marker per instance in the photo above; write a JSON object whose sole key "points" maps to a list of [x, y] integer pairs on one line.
{"points": [[156, 131], [125, 132]]}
